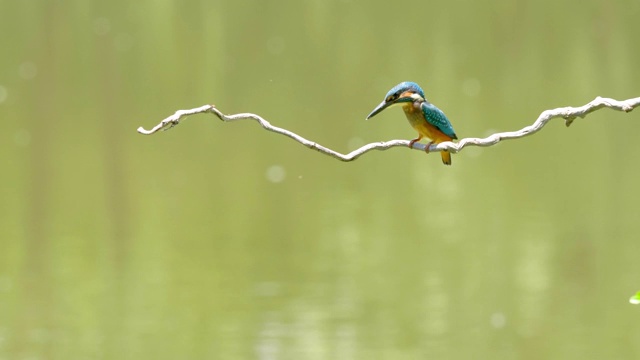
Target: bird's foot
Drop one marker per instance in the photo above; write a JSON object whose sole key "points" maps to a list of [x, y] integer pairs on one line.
{"points": [[413, 142], [426, 148]]}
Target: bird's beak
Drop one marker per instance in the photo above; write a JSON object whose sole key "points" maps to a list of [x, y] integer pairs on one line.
{"points": [[383, 105]]}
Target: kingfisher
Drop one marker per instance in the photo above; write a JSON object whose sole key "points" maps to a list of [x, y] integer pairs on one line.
{"points": [[424, 117]]}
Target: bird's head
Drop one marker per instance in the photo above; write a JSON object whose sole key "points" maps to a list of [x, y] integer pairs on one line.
{"points": [[405, 92]]}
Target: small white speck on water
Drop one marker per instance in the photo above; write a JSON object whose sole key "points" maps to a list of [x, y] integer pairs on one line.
{"points": [[498, 320], [276, 174]]}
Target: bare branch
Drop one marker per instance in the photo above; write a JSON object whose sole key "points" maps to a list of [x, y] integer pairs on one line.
{"points": [[567, 113]]}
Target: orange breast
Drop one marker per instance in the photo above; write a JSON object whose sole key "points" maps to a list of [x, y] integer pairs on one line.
{"points": [[418, 122]]}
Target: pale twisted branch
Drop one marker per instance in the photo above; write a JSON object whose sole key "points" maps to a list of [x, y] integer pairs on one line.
{"points": [[567, 113]]}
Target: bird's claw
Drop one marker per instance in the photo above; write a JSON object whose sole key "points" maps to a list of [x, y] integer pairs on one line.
{"points": [[426, 148], [413, 142]]}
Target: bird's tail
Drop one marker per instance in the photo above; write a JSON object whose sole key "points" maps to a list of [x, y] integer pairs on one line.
{"points": [[446, 157]]}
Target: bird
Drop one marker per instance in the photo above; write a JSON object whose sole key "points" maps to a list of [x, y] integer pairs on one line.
{"points": [[429, 121]]}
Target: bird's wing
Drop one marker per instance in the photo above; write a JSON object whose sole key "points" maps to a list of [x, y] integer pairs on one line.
{"points": [[438, 119]]}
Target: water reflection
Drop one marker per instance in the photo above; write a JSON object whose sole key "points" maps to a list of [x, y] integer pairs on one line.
{"points": [[533, 277]]}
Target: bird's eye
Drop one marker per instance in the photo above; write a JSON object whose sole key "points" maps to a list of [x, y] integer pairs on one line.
{"points": [[391, 98]]}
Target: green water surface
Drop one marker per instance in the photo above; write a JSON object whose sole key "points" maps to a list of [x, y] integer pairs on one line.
{"points": [[224, 241]]}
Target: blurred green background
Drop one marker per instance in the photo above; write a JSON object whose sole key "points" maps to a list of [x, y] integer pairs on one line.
{"points": [[224, 241]]}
